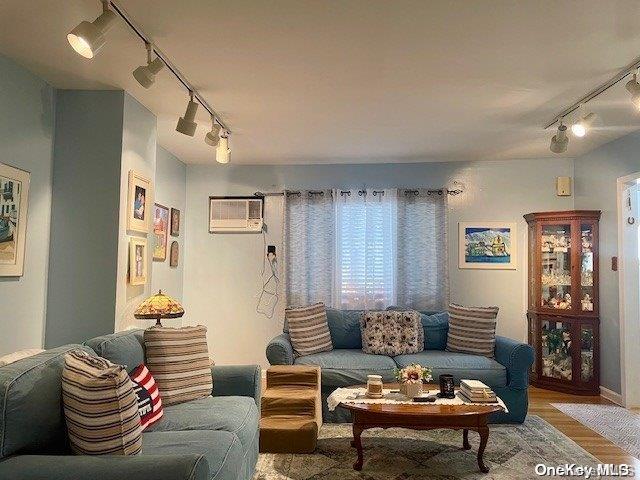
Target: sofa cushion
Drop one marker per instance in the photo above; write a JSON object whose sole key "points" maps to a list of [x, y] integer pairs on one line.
{"points": [[31, 418], [344, 327], [237, 415], [221, 450], [392, 332], [460, 365], [122, 348], [148, 394], [349, 366], [472, 330], [100, 406], [436, 327], [308, 329]]}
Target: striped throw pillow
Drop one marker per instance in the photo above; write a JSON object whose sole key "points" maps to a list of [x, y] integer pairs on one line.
{"points": [[100, 406], [308, 329], [178, 358], [472, 330], [149, 400]]}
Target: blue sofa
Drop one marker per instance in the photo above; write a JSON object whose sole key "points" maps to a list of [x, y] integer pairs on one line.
{"points": [[347, 365], [213, 437]]}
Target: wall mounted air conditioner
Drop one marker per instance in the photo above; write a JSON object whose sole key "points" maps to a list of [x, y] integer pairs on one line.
{"points": [[235, 214]]}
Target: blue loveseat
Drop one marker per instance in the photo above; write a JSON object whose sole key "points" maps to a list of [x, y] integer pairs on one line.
{"points": [[213, 437], [347, 365]]}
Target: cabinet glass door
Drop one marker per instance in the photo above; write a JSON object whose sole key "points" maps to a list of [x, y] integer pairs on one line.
{"points": [[556, 267], [586, 267], [556, 350], [586, 353]]}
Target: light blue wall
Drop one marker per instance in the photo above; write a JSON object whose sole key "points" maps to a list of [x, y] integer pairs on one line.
{"points": [[171, 191], [26, 142], [595, 189], [84, 229], [222, 272]]}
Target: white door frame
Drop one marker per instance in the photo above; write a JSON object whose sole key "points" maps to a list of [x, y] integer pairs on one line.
{"points": [[629, 330]]}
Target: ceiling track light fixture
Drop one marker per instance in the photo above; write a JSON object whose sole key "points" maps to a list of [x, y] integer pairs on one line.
{"points": [[560, 140], [213, 137], [187, 124], [584, 123], [89, 37], [146, 74], [633, 87], [223, 152]]}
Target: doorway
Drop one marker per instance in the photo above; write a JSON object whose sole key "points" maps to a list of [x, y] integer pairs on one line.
{"points": [[629, 290]]}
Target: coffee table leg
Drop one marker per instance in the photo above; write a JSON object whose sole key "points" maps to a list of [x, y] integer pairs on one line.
{"points": [[484, 436], [357, 443], [465, 439]]}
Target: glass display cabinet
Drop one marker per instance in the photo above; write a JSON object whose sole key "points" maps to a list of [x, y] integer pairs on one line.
{"points": [[563, 300]]}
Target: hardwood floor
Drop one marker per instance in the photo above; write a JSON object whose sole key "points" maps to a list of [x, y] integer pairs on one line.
{"points": [[540, 404]]}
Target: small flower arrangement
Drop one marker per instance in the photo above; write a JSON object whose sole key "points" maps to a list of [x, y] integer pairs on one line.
{"points": [[414, 373]]}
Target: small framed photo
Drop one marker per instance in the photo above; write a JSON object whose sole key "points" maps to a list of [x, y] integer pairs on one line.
{"points": [[160, 232], [139, 203], [14, 196], [138, 261], [173, 255], [175, 222], [487, 245]]}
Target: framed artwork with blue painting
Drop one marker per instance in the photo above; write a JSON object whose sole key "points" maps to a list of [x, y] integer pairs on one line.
{"points": [[487, 245]]}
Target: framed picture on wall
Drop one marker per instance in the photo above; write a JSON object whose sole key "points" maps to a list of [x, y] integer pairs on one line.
{"points": [[14, 196], [175, 222], [138, 261], [487, 245], [173, 255], [160, 232], [139, 203]]}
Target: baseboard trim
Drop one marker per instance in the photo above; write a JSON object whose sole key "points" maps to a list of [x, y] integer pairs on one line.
{"points": [[611, 396]]}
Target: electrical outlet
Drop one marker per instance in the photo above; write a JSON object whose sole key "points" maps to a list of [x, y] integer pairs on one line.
{"points": [[271, 249]]}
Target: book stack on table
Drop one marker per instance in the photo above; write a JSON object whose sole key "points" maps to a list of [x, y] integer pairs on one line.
{"points": [[477, 392]]}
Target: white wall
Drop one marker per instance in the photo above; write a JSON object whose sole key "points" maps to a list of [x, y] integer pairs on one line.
{"points": [[596, 174], [222, 272], [26, 142], [171, 191]]}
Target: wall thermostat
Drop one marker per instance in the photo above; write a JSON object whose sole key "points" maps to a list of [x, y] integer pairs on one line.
{"points": [[563, 186]]}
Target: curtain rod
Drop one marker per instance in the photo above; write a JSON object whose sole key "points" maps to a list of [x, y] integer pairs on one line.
{"points": [[408, 191]]}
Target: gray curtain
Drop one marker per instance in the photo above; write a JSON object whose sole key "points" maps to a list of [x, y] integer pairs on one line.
{"points": [[422, 256], [309, 247]]}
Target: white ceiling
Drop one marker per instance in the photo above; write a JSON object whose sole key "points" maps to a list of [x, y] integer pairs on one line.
{"points": [[328, 81]]}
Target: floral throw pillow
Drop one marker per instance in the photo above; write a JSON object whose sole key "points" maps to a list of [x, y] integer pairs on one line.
{"points": [[392, 332]]}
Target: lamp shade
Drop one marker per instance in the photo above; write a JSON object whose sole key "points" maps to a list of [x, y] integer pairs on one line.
{"points": [[159, 306]]}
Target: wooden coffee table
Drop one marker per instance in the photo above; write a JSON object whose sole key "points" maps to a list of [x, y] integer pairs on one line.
{"points": [[421, 416]]}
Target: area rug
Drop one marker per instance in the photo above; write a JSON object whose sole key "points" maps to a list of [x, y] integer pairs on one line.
{"points": [[513, 452], [616, 424]]}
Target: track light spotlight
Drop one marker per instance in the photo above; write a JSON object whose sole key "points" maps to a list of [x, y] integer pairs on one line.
{"points": [[88, 37], [580, 128], [187, 124], [223, 153], [633, 87], [146, 74], [560, 140], [213, 137]]}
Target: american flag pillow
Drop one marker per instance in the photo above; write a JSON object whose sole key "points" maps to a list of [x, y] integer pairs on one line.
{"points": [[149, 401]]}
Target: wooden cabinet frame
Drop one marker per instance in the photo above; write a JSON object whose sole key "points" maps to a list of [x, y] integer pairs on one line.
{"points": [[575, 319]]}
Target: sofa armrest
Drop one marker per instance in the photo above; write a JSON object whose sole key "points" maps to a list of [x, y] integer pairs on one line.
{"points": [[105, 467], [237, 380], [280, 350], [517, 358]]}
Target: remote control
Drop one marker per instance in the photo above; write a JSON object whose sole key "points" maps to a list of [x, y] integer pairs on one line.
{"points": [[424, 399]]}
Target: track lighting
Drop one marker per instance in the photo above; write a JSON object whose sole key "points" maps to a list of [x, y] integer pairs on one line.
{"points": [[633, 87], [213, 137], [88, 37], [560, 140], [580, 128], [146, 74], [223, 153], [187, 124]]}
